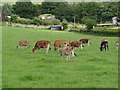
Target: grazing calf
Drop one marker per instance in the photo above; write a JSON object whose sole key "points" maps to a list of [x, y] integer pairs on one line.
{"points": [[67, 51], [104, 45], [75, 43], [23, 43], [42, 44], [117, 45], [60, 43], [85, 41]]}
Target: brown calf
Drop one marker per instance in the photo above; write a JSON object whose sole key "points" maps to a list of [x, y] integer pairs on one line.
{"points": [[23, 43], [75, 43], [85, 41], [42, 44], [60, 43]]}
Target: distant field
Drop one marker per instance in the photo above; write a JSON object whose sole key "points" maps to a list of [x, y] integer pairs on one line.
{"points": [[24, 69]]}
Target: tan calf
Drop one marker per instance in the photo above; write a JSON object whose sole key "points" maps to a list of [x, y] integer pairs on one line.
{"points": [[23, 43], [67, 51]]}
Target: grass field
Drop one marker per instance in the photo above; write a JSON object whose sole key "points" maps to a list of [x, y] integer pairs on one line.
{"points": [[24, 69]]}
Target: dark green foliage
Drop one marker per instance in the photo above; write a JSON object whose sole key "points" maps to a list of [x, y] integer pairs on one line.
{"points": [[64, 24], [37, 21], [62, 10], [89, 9], [118, 9], [13, 18], [107, 10], [65, 11], [38, 9], [24, 9]]}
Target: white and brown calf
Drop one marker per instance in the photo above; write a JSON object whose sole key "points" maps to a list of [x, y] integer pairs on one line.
{"points": [[42, 44], [117, 45]]}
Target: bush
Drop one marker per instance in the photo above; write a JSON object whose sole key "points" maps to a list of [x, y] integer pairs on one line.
{"points": [[55, 22], [46, 22], [64, 24], [13, 18], [23, 21], [37, 21], [89, 22]]}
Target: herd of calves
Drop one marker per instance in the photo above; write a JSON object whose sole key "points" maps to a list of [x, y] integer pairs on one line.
{"points": [[68, 47]]}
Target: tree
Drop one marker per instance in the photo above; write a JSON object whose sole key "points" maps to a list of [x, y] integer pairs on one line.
{"points": [[38, 10], [89, 9], [24, 9], [62, 10], [118, 9], [65, 11], [107, 10], [89, 22], [7, 9]]}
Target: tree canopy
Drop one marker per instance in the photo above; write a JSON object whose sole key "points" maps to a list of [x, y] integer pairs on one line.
{"points": [[24, 9], [99, 11]]}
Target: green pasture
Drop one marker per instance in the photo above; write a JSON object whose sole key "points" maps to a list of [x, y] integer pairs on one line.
{"points": [[24, 69]]}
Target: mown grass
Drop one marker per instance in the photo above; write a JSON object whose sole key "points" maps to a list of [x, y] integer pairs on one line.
{"points": [[24, 69]]}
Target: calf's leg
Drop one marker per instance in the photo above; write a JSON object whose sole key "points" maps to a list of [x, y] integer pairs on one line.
{"points": [[48, 46]]}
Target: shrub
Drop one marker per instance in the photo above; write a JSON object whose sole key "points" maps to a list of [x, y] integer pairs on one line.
{"points": [[37, 21], [13, 18], [46, 22], [55, 22], [23, 21], [64, 24]]}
